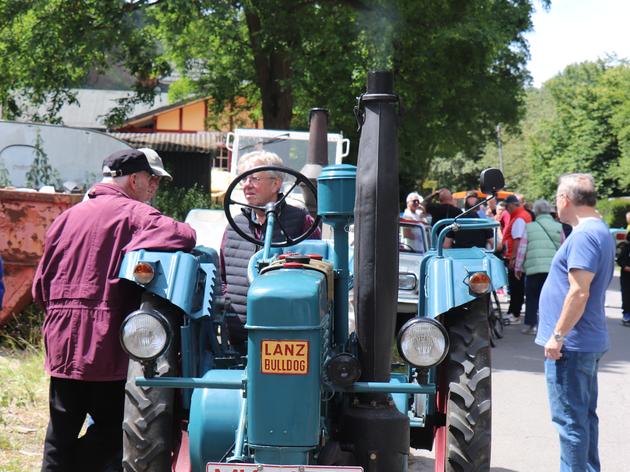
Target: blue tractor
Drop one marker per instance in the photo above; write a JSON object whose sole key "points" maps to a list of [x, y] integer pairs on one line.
{"points": [[309, 395]]}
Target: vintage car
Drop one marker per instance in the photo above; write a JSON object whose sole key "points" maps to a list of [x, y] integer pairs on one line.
{"points": [[413, 241]]}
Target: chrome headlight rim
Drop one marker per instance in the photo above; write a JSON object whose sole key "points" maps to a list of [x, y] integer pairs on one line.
{"points": [[163, 322], [408, 325], [410, 276]]}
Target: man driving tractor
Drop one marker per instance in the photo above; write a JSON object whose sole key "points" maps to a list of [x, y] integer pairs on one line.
{"points": [[259, 189]]}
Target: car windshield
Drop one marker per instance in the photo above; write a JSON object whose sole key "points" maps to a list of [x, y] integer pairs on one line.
{"points": [[411, 238], [291, 151]]}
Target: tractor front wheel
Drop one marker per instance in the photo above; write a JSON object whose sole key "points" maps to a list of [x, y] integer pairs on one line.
{"points": [[464, 394], [148, 426]]}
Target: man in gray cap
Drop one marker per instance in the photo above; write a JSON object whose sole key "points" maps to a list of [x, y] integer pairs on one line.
{"points": [[85, 302]]}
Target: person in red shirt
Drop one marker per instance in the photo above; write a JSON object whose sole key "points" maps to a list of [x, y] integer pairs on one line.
{"points": [[512, 235], [85, 303]]}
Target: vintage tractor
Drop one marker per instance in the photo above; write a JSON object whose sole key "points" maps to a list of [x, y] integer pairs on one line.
{"points": [[310, 395]]}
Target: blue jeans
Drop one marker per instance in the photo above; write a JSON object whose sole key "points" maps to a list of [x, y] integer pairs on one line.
{"points": [[572, 390]]}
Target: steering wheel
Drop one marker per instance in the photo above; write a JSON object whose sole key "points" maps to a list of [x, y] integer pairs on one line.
{"points": [[405, 247], [270, 207]]}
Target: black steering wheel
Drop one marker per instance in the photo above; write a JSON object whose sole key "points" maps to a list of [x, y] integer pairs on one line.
{"points": [[270, 207]]}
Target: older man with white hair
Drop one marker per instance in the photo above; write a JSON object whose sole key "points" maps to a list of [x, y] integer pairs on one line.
{"points": [[572, 326], [413, 210], [85, 303], [259, 189]]}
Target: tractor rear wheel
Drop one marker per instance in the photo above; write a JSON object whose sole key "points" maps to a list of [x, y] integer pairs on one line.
{"points": [[463, 445], [148, 425]]}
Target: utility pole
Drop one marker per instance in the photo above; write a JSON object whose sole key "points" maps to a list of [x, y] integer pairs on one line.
{"points": [[499, 147]]}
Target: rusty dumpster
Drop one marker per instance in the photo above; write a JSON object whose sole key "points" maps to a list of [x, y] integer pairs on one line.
{"points": [[24, 219]]}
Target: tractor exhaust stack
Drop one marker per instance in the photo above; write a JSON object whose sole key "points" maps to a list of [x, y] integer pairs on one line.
{"points": [[378, 434]]}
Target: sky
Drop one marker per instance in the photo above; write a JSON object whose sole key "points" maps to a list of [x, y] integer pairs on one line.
{"points": [[575, 31]]}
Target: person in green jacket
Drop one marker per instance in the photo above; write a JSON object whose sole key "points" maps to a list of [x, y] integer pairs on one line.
{"points": [[542, 239]]}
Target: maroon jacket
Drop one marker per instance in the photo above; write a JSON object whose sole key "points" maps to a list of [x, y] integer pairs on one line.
{"points": [[77, 280]]}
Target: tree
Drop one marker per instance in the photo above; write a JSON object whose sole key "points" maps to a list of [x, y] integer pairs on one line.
{"points": [[590, 131], [41, 172], [459, 66]]}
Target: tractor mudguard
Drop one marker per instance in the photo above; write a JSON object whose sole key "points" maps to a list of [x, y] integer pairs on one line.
{"points": [[443, 283], [187, 280]]}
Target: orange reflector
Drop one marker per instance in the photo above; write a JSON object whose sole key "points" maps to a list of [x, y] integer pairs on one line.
{"points": [[479, 282], [292, 265], [143, 273]]}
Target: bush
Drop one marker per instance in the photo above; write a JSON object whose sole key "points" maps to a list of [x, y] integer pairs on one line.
{"points": [[614, 211], [24, 330], [176, 202]]}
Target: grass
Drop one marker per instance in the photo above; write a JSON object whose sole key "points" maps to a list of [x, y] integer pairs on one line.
{"points": [[24, 393]]}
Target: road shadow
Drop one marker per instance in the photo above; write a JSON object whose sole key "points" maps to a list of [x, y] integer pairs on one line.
{"points": [[517, 351], [421, 463]]}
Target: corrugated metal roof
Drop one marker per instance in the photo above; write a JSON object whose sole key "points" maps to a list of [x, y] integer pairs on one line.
{"points": [[95, 104], [202, 142]]}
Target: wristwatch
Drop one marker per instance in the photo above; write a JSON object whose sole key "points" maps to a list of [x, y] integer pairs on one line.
{"points": [[558, 337]]}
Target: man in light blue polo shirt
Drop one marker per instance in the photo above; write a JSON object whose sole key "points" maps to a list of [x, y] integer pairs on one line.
{"points": [[572, 326]]}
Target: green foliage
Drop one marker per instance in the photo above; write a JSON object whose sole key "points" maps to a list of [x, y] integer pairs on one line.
{"points": [[5, 181], [176, 202], [41, 172], [614, 211], [577, 122], [23, 331], [459, 67], [589, 132], [48, 47]]}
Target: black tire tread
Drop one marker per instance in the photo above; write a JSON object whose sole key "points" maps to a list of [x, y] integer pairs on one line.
{"points": [[469, 406], [148, 425]]}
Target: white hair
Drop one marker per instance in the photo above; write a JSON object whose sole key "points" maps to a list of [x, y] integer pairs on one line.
{"points": [[258, 159]]}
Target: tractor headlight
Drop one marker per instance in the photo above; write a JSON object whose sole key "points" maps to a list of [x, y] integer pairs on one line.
{"points": [[145, 335], [423, 342], [478, 283], [407, 281]]}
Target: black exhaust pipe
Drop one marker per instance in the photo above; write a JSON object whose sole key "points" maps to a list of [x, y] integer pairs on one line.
{"points": [[376, 229], [377, 432], [317, 153]]}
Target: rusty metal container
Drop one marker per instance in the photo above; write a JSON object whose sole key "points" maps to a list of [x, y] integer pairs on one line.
{"points": [[24, 219]]}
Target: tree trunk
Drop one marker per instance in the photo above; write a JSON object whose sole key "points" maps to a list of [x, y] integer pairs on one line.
{"points": [[273, 75]]}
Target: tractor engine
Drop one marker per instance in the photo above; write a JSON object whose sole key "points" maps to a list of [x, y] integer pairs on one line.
{"points": [[289, 325]]}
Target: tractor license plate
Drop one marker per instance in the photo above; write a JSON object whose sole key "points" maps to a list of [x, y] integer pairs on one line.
{"points": [[220, 467]]}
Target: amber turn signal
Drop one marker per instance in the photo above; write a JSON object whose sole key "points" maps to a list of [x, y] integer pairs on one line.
{"points": [[479, 282], [143, 273]]}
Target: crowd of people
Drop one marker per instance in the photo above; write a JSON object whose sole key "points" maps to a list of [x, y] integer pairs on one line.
{"points": [[560, 262]]}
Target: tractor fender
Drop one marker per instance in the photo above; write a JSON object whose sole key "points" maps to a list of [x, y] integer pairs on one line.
{"points": [[178, 276], [443, 279]]}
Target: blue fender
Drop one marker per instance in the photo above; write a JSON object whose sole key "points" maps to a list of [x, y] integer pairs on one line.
{"points": [[177, 277], [443, 278]]}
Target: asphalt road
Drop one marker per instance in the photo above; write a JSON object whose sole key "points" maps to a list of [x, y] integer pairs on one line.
{"points": [[523, 438]]}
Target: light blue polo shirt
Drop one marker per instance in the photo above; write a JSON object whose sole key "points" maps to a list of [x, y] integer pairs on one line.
{"points": [[589, 247]]}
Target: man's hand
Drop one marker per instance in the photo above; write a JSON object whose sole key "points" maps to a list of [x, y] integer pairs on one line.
{"points": [[552, 349], [518, 274], [511, 264]]}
